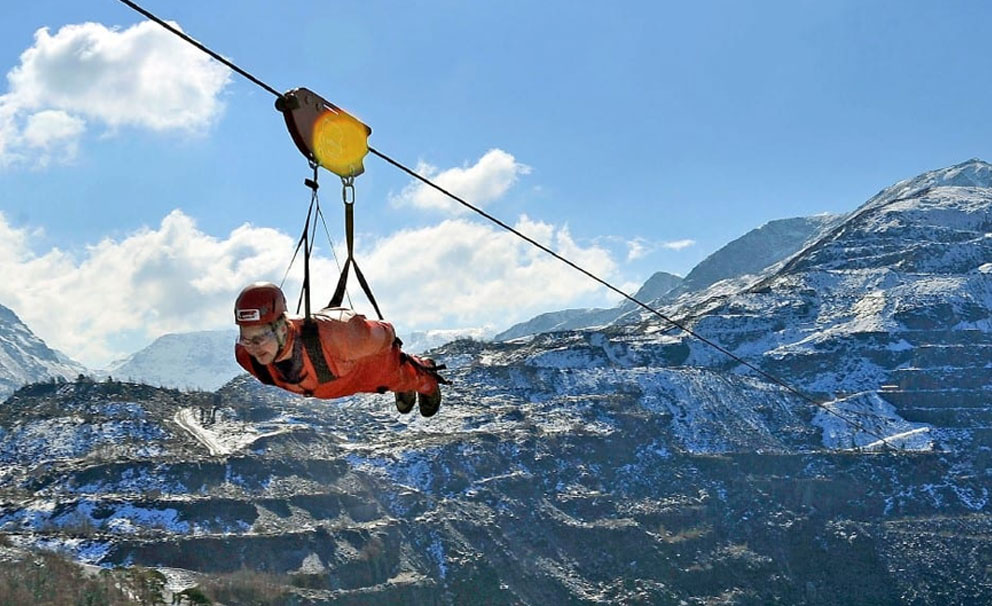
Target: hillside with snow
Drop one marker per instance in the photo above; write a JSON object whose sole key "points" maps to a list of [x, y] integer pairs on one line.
{"points": [[898, 295], [625, 464], [420, 341], [756, 251]]}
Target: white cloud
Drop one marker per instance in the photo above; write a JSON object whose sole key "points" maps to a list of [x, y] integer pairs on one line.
{"points": [[54, 131], [479, 184], [46, 127], [155, 281], [639, 248], [8, 133], [121, 294], [141, 76], [678, 244], [468, 274]]}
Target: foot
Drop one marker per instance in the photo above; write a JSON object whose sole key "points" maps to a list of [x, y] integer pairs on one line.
{"points": [[405, 401], [429, 402]]}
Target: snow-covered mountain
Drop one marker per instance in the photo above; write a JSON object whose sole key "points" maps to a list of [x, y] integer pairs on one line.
{"points": [[627, 464], [750, 255], [756, 250], [898, 294], [657, 286], [420, 341], [24, 358], [195, 360]]}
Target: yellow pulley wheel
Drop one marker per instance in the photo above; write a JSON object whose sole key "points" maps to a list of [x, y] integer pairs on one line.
{"points": [[325, 133], [340, 142]]}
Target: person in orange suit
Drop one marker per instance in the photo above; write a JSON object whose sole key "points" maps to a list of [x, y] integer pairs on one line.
{"points": [[337, 353]]}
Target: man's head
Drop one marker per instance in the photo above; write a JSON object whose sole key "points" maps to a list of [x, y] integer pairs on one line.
{"points": [[260, 312]]}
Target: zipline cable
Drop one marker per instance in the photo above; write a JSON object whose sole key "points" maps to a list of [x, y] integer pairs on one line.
{"points": [[202, 47], [631, 298], [770, 377]]}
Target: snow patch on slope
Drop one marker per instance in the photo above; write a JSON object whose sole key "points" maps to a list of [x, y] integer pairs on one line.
{"points": [[865, 420], [226, 435]]}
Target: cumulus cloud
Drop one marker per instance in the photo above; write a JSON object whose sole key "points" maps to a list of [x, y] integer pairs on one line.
{"points": [[53, 131], [479, 184], [678, 244], [638, 248], [87, 73], [168, 279], [119, 294], [464, 273]]}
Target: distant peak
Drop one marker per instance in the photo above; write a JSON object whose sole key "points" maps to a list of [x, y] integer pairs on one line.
{"points": [[974, 172], [970, 164], [657, 285], [798, 222], [971, 173]]}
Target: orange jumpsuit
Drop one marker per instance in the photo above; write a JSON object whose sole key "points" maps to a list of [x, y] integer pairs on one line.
{"points": [[362, 354]]}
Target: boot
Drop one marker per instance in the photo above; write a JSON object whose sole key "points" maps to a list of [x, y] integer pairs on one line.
{"points": [[429, 402], [405, 401]]}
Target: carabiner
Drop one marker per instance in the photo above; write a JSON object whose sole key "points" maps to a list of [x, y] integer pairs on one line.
{"points": [[348, 189]]}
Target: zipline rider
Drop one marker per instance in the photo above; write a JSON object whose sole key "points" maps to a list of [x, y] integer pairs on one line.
{"points": [[335, 353]]}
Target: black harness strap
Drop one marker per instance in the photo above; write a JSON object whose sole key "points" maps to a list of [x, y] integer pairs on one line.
{"points": [[349, 226], [432, 368], [311, 341]]}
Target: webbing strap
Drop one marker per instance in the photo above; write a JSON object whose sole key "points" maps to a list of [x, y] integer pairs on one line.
{"points": [[426, 365], [338, 298], [306, 244], [311, 341]]}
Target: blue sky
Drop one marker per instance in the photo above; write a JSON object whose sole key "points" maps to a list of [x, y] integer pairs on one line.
{"points": [[637, 138]]}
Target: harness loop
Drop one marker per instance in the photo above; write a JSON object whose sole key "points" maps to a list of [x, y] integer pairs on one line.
{"points": [[348, 197]]}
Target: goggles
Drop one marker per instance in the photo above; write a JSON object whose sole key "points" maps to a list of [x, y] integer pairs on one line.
{"points": [[258, 340]]}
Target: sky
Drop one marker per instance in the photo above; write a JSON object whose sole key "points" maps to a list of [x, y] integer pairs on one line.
{"points": [[142, 184]]}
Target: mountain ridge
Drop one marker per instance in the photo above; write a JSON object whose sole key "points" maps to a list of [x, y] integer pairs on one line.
{"points": [[626, 464], [751, 253], [201, 360], [25, 358]]}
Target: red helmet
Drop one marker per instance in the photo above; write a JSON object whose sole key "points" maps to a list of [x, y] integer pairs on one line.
{"points": [[259, 303]]}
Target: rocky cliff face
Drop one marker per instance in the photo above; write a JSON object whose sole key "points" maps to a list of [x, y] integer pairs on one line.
{"points": [[546, 480], [624, 465], [756, 250], [24, 358]]}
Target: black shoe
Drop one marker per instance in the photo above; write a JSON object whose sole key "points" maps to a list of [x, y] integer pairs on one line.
{"points": [[429, 402], [405, 401]]}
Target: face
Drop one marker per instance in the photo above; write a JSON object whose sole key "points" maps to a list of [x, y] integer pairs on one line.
{"points": [[260, 341]]}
